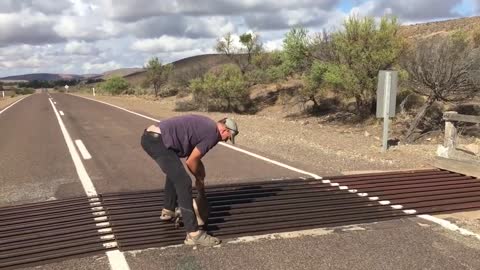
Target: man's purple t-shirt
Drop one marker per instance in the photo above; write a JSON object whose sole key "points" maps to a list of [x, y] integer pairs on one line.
{"points": [[183, 133]]}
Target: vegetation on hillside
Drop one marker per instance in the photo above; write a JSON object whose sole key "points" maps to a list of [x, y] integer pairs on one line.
{"points": [[343, 65]]}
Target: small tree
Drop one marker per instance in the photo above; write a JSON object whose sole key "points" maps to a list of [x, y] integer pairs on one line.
{"points": [[440, 69], [251, 46], [296, 51], [360, 51], [322, 47], [115, 85], [226, 85], [157, 74], [314, 81]]}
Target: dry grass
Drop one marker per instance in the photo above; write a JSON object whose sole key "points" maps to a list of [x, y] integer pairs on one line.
{"points": [[4, 102], [468, 25]]}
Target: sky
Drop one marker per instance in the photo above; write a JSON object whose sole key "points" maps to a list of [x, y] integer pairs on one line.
{"points": [[94, 36]]}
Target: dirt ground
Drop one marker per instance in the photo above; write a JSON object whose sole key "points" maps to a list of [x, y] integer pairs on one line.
{"points": [[309, 143], [4, 102]]}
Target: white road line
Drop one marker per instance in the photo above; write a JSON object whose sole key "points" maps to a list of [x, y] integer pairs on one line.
{"points": [[82, 173], [450, 226], [11, 105], [270, 161], [224, 144], [117, 259], [83, 149], [409, 211], [61, 113]]}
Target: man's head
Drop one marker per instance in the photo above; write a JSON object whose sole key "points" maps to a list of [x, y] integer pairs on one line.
{"points": [[228, 129]]}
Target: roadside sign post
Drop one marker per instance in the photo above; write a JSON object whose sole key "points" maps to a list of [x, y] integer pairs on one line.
{"points": [[66, 88], [386, 100], [3, 94], [93, 91]]}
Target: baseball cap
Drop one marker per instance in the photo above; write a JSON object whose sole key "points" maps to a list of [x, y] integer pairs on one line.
{"points": [[231, 125]]}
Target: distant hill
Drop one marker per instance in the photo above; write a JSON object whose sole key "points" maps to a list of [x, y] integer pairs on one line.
{"points": [[186, 68], [121, 72], [468, 25], [44, 77]]}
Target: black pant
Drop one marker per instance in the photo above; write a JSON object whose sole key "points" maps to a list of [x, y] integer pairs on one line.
{"points": [[178, 184]]}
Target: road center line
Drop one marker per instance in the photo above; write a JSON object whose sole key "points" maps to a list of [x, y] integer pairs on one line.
{"points": [[117, 259], [83, 149], [61, 113], [444, 223]]}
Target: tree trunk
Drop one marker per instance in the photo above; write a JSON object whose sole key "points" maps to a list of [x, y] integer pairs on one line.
{"points": [[418, 118], [363, 106], [316, 107], [402, 105]]}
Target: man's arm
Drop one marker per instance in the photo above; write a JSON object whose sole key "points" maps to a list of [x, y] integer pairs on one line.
{"points": [[195, 165]]}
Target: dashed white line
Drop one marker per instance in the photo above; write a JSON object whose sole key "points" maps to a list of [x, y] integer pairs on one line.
{"points": [[61, 113], [83, 150], [81, 171], [116, 258]]}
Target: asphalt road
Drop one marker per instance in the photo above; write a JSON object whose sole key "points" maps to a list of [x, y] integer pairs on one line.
{"points": [[36, 165]]}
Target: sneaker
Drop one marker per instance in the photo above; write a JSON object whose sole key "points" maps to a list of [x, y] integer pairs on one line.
{"points": [[168, 215], [202, 239]]}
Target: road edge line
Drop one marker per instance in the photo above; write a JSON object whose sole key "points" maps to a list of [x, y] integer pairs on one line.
{"points": [[6, 108], [117, 259]]}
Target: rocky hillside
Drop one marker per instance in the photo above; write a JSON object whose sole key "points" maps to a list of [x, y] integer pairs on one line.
{"points": [[468, 25]]}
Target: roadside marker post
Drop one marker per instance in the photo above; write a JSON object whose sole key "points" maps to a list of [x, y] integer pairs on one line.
{"points": [[386, 100], [93, 91]]}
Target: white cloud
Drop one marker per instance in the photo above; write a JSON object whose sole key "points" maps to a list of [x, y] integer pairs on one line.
{"points": [[80, 48], [86, 28], [41, 6], [30, 61], [89, 67], [126, 10], [273, 45], [411, 9], [81, 36], [165, 44], [26, 27]]}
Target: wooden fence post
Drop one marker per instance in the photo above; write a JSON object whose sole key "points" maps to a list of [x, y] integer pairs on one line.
{"points": [[450, 140]]}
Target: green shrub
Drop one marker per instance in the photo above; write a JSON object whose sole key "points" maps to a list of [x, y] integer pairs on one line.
{"points": [[115, 86], [257, 76], [168, 91], [186, 105], [277, 73], [223, 90], [24, 91]]}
